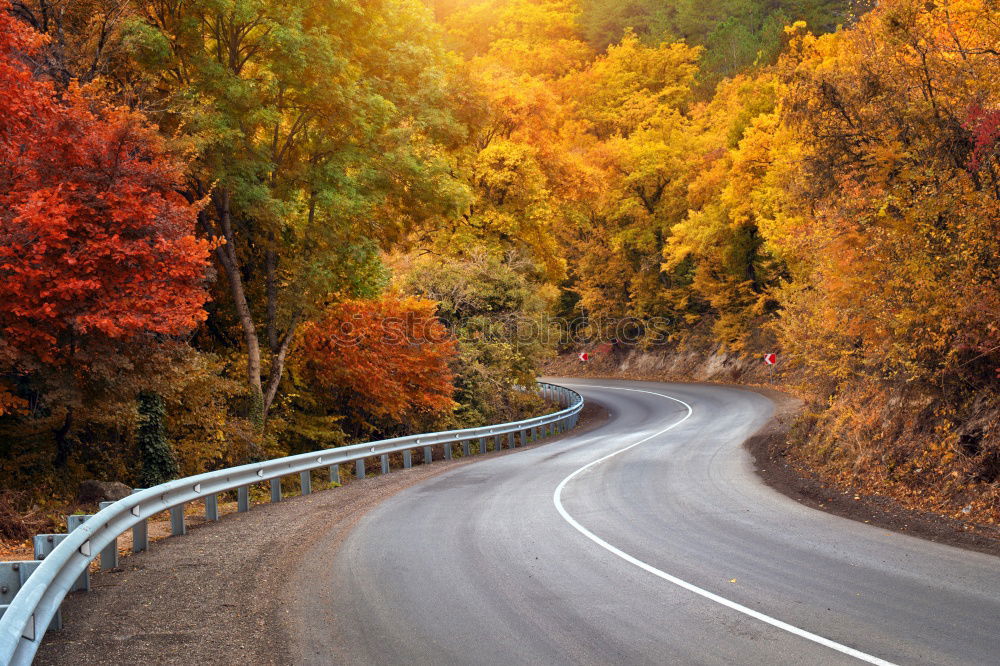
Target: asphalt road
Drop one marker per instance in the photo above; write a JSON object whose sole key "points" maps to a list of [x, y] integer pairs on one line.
{"points": [[670, 551]]}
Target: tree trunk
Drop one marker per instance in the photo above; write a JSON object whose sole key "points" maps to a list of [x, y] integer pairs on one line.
{"points": [[227, 257], [62, 441], [158, 461], [278, 355], [271, 266]]}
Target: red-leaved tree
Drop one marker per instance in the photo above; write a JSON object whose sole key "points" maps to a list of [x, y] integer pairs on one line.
{"points": [[96, 246], [94, 239], [385, 361]]}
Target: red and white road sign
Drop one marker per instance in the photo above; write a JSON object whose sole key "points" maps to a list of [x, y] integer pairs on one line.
{"points": [[584, 356], [770, 359]]}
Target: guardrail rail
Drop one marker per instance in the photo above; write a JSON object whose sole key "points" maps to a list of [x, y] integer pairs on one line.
{"points": [[33, 590]]}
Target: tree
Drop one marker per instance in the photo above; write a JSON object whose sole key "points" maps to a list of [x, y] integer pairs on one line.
{"points": [[381, 363], [905, 202], [633, 102], [736, 34], [496, 311], [322, 131], [97, 250]]}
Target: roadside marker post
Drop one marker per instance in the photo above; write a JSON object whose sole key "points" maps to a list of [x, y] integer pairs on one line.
{"points": [[771, 360]]}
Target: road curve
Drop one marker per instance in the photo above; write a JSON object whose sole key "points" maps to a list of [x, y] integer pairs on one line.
{"points": [[667, 550]]}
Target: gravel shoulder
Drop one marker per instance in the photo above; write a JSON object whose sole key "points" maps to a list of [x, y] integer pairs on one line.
{"points": [[222, 593]]}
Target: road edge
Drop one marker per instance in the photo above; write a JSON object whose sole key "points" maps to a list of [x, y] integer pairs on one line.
{"points": [[768, 448]]}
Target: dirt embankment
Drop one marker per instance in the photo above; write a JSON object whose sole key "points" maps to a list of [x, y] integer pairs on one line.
{"points": [[700, 364], [769, 448]]}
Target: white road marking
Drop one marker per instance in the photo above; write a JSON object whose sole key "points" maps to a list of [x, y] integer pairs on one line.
{"points": [[557, 500]]}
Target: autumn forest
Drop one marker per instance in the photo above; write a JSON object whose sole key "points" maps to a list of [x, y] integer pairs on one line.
{"points": [[210, 209]]}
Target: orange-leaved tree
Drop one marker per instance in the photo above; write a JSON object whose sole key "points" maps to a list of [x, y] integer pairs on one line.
{"points": [[384, 362]]}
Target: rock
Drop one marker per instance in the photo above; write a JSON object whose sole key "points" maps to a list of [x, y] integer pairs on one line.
{"points": [[93, 491]]}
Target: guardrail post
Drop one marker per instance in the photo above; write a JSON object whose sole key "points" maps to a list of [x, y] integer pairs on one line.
{"points": [[385, 463], [177, 526], [447, 450], [428, 455], [359, 468], [407, 459], [335, 474], [276, 490], [109, 556], [72, 522], [211, 507], [466, 448], [306, 482], [140, 532], [10, 581], [13, 576], [243, 499], [45, 544]]}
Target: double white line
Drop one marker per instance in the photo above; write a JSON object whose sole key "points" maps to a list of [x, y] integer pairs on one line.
{"points": [[740, 608]]}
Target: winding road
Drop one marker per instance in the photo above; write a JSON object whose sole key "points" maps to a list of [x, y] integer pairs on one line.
{"points": [[646, 540]]}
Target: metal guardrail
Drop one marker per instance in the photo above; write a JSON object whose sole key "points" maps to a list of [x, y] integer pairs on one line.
{"points": [[25, 620]]}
